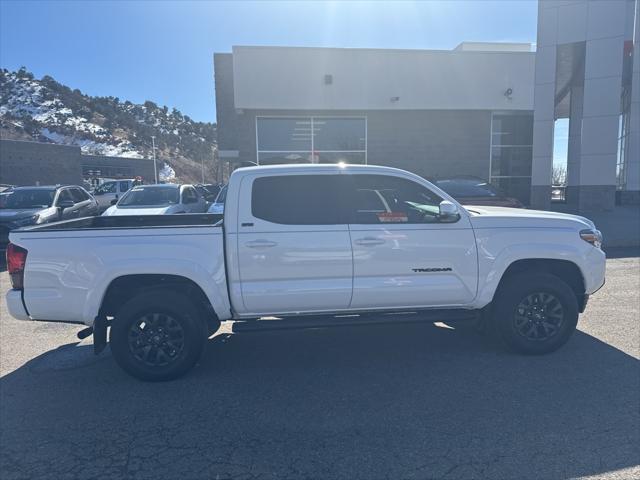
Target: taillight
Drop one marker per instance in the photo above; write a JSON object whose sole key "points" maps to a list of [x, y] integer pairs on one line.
{"points": [[16, 259]]}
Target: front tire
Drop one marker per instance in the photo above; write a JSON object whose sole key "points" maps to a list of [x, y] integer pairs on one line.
{"points": [[535, 313], [157, 335]]}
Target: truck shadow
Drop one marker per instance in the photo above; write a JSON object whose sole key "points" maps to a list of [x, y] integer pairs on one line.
{"points": [[411, 401]]}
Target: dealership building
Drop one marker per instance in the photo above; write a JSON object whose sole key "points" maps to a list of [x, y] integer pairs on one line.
{"points": [[482, 109]]}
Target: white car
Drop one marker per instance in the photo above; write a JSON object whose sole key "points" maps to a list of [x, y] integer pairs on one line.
{"points": [[109, 191], [287, 255], [217, 207], [163, 199]]}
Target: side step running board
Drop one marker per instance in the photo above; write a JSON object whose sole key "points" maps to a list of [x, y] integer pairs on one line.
{"points": [[319, 321]]}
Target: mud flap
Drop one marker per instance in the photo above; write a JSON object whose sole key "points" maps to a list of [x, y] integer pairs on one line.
{"points": [[99, 334]]}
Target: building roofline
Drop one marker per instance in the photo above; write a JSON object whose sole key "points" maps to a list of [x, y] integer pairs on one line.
{"points": [[388, 50]]}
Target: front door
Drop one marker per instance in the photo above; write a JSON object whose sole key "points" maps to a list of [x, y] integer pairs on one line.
{"points": [[403, 255], [294, 250]]}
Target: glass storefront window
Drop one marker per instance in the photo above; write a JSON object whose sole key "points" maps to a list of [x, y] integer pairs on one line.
{"points": [[512, 129], [338, 134], [311, 140], [275, 158], [511, 154], [337, 157], [284, 134], [511, 161], [516, 187]]}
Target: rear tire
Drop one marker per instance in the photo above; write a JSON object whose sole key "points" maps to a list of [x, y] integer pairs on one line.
{"points": [[158, 335], [535, 313]]}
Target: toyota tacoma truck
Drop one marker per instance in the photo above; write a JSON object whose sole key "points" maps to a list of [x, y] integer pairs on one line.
{"points": [[306, 246]]}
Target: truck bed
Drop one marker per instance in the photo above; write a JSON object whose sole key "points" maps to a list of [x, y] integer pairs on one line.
{"points": [[71, 264], [132, 221]]}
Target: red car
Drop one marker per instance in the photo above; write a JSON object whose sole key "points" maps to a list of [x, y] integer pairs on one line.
{"points": [[475, 191]]}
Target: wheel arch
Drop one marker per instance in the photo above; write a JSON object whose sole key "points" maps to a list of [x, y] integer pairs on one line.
{"points": [[566, 270], [122, 289]]}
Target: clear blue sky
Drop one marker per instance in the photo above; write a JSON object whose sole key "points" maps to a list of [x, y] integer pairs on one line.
{"points": [[163, 51]]}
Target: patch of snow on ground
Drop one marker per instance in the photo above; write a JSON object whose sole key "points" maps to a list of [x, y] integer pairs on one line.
{"points": [[166, 173]]}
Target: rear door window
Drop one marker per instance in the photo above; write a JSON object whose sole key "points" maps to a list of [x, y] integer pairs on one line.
{"points": [[299, 199]]}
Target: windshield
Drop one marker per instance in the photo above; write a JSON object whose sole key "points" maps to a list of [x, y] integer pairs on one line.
{"points": [[222, 195], [468, 188], [25, 199], [150, 196]]}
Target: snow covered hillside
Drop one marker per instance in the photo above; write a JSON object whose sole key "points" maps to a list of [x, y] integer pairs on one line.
{"points": [[46, 111]]}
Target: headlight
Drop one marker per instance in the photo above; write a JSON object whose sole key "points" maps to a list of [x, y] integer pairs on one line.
{"points": [[594, 237], [23, 222]]}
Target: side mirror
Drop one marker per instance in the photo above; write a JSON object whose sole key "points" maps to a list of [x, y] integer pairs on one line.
{"points": [[448, 212], [65, 204], [114, 201]]}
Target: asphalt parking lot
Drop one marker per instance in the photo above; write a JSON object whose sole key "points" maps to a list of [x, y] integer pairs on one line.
{"points": [[404, 401]]}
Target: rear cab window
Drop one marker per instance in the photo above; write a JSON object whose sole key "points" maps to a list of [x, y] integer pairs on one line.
{"points": [[299, 199]]}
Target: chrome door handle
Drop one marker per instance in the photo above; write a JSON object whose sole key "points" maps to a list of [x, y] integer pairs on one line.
{"points": [[260, 244], [369, 241]]}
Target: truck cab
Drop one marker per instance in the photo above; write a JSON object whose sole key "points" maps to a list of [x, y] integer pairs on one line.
{"points": [[345, 239]]}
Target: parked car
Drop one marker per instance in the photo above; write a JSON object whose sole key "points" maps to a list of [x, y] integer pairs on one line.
{"points": [[5, 191], [475, 191], [162, 199], [217, 206], [208, 191], [3, 198], [107, 192], [25, 206], [286, 248]]}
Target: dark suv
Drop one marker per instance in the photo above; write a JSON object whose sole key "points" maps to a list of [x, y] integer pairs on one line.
{"points": [[474, 191], [25, 206]]}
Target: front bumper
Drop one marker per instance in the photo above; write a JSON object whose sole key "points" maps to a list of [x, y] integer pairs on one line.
{"points": [[15, 305], [596, 263]]}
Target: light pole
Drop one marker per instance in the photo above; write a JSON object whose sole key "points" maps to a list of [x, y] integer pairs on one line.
{"points": [[155, 168]]}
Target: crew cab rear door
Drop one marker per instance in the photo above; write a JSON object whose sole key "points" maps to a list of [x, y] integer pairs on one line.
{"points": [[294, 249], [403, 255]]}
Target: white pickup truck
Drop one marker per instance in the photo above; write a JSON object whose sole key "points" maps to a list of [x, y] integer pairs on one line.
{"points": [[306, 246]]}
